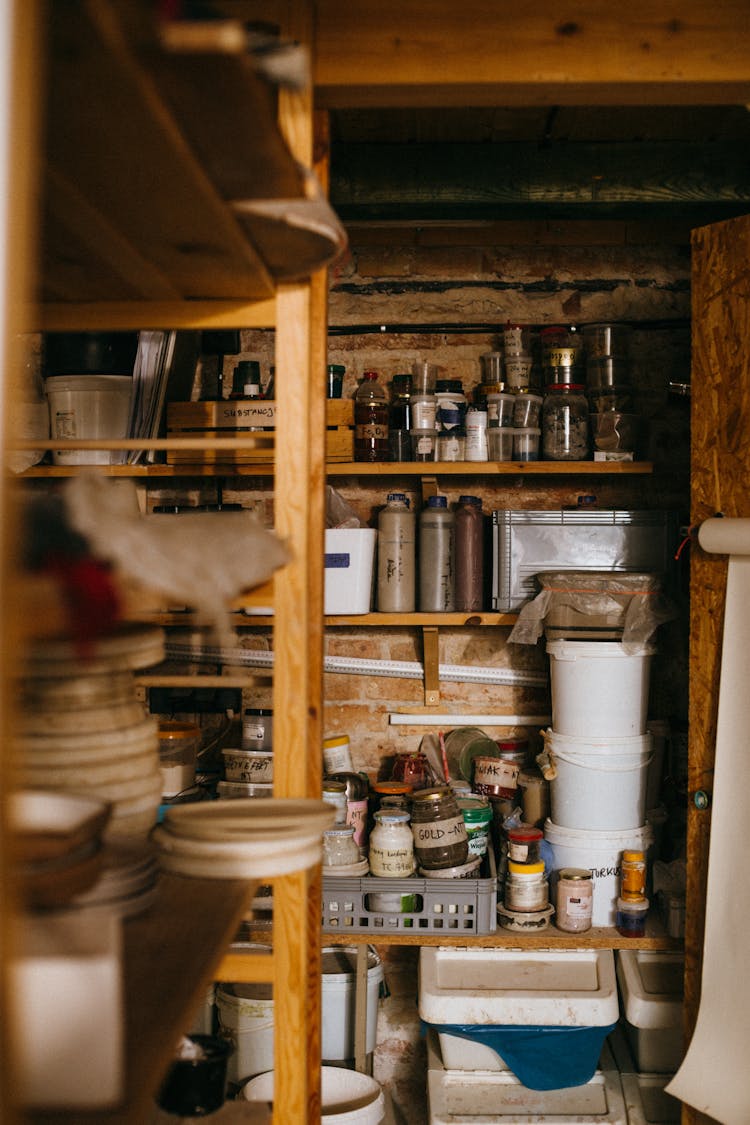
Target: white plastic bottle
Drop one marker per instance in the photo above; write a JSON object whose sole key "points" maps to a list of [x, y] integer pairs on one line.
{"points": [[436, 557], [396, 556]]}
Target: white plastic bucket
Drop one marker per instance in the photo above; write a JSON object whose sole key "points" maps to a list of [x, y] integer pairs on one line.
{"points": [[598, 688], [245, 1013], [339, 975], [599, 783], [88, 406], [347, 1097], [601, 853]]}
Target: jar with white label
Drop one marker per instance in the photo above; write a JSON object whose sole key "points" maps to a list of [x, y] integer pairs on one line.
{"points": [[439, 830], [257, 729], [476, 435], [337, 753], [526, 887], [391, 845], [574, 899]]}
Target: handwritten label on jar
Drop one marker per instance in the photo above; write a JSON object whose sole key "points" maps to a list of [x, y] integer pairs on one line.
{"points": [[439, 833], [495, 773], [372, 431], [391, 862]]}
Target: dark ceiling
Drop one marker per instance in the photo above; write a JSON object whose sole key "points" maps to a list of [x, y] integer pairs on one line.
{"points": [[572, 161]]}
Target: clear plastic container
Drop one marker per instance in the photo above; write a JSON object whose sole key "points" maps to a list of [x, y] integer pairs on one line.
{"points": [[424, 444], [424, 377], [450, 446], [339, 848], [500, 444], [516, 340], [527, 410], [178, 749], [607, 371], [565, 423], [606, 340], [500, 407], [492, 367], [518, 370], [526, 444]]}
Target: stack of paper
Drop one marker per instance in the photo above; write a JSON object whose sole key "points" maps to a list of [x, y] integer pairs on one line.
{"points": [[153, 363]]}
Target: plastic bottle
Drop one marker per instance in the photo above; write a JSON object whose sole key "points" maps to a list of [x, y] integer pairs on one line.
{"points": [[469, 586], [436, 557], [396, 591], [371, 413], [246, 380]]}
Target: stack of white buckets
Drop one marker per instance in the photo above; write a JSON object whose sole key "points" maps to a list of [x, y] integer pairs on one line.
{"points": [[601, 750]]}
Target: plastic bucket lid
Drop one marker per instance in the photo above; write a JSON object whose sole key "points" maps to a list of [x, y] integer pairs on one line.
{"points": [[347, 1096]]}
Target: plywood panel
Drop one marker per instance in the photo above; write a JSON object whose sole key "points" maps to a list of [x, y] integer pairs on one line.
{"points": [[720, 478]]}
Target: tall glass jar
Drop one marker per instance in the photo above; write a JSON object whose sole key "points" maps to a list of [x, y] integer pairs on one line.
{"points": [[391, 845], [565, 423], [440, 837]]}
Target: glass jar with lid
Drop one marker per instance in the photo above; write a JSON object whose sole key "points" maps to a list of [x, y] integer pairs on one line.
{"points": [[439, 830], [339, 848], [565, 423], [391, 845]]}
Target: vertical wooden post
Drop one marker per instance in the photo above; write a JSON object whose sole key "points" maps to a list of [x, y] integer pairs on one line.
{"points": [[301, 341], [21, 35]]}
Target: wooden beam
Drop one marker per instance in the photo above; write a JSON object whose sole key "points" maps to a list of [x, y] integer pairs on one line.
{"points": [[456, 180], [436, 52]]}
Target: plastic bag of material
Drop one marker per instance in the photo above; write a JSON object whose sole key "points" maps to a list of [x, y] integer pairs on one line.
{"points": [[339, 513], [201, 559], [577, 603]]}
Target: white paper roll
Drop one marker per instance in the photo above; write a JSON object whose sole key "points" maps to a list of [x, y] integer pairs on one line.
{"points": [[713, 1076]]}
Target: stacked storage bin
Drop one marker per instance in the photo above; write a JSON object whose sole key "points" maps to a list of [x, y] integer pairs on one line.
{"points": [[599, 750], [519, 1032], [648, 1045]]}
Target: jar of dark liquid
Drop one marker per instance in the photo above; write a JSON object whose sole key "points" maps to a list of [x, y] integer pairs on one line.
{"points": [[439, 830], [371, 418]]}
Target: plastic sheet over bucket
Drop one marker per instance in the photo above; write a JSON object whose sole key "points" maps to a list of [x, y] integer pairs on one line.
{"points": [[598, 688], [601, 853], [599, 783]]}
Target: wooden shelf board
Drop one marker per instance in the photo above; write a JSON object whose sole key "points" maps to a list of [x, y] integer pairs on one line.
{"points": [[136, 315], [599, 937], [489, 468], [362, 468], [442, 619], [172, 953]]}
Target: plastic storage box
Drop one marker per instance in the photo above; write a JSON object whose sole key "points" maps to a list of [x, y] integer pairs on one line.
{"points": [[349, 570], [542, 1014], [453, 906], [647, 1101], [483, 1096], [525, 543], [651, 985]]}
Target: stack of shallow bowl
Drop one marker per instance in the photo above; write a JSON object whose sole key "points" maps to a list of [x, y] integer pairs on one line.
{"points": [[82, 729]]}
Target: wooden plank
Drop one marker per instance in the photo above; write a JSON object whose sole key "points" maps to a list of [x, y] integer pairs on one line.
{"points": [[437, 180], [540, 232], [141, 315], [434, 52], [492, 468], [172, 952], [110, 130], [720, 456], [599, 937]]}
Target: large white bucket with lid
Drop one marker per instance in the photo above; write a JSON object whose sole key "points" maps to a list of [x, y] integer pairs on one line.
{"points": [[598, 688], [245, 1016], [245, 1013], [88, 406], [347, 1096], [600, 852], [600, 782]]}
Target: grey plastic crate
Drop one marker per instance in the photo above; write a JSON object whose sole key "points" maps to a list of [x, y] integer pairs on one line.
{"points": [[449, 906], [527, 542]]}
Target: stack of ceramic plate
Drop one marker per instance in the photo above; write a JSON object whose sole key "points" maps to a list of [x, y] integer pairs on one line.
{"points": [[243, 839], [83, 730], [58, 844], [126, 883]]}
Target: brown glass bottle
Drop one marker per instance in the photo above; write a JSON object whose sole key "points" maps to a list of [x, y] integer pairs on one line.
{"points": [[371, 413]]}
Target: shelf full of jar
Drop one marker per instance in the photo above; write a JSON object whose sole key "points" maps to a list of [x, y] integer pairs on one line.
{"points": [[226, 467]]}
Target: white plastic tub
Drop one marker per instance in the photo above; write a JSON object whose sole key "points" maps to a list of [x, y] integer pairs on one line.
{"points": [[347, 1097], [481, 1096], [245, 1014], [339, 976], [600, 783], [349, 568], [601, 852], [651, 985], [598, 688], [88, 406]]}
